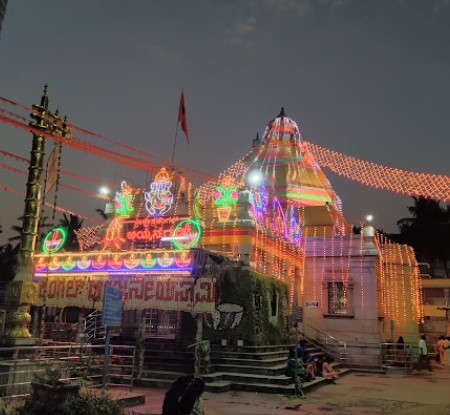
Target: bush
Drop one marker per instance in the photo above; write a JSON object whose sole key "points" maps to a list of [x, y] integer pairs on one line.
{"points": [[91, 404]]}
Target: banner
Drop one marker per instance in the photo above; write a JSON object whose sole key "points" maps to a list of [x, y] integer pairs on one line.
{"points": [[52, 169], [178, 293]]}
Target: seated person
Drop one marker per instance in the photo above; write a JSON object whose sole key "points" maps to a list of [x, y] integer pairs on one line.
{"points": [[293, 366], [310, 366], [301, 349], [327, 370]]}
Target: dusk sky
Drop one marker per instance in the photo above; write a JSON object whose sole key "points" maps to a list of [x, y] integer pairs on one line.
{"points": [[367, 78]]}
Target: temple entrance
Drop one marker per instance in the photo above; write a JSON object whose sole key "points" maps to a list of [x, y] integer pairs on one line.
{"points": [[161, 323]]}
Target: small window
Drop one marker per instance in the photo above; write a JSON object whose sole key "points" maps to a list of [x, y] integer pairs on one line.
{"points": [[339, 298]]}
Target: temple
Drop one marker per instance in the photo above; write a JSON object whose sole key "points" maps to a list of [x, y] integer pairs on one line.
{"points": [[264, 243]]}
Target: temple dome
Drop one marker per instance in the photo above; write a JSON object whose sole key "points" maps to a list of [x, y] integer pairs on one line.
{"points": [[282, 128]]}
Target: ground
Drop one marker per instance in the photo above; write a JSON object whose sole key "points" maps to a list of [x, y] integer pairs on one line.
{"points": [[421, 393]]}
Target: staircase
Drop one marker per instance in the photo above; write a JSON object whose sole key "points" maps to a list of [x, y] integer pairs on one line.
{"points": [[246, 368], [165, 361], [255, 368]]}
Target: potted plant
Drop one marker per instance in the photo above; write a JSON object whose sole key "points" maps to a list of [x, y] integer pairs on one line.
{"points": [[49, 393]]}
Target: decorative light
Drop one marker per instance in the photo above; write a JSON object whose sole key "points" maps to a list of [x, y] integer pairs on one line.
{"points": [[101, 263], [382, 177], [124, 200], [260, 202], [186, 234], [113, 237], [54, 240], [279, 220], [159, 199], [226, 193], [295, 228]]}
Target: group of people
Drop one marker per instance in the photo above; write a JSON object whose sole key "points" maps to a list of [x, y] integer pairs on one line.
{"points": [[441, 352], [184, 397], [308, 367]]}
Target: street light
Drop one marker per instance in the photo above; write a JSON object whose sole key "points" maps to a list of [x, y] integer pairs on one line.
{"points": [[104, 190], [254, 178]]}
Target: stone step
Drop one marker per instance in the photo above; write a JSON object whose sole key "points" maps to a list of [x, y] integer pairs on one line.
{"points": [[168, 355], [225, 354], [163, 374], [252, 349], [273, 370], [249, 362], [247, 378], [178, 366], [221, 385]]}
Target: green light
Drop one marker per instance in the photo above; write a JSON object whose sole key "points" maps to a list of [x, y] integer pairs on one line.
{"points": [[54, 240], [186, 234]]}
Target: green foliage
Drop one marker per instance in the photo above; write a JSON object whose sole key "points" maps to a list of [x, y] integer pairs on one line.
{"points": [[92, 404], [51, 375], [240, 287], [8, 261], [427, 231]]}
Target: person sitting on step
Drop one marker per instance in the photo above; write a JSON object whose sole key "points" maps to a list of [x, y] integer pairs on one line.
{"points": [[309, 362], [294, 366], [328, 372]]}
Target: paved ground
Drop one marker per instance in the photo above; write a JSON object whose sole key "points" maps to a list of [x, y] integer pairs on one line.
{"points": [[422, 393]]}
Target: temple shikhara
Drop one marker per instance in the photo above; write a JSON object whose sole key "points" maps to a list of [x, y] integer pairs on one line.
{"points": [[267, 239]]}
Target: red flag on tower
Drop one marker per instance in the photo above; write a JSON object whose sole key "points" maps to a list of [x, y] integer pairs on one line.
{"points": [[182, 117]]}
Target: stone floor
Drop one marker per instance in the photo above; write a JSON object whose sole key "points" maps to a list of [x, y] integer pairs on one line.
{"points": [[420, 393]]}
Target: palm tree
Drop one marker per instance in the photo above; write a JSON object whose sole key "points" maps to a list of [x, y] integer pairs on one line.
{"points": [[44, 226], [71, 223], [102, 213]]}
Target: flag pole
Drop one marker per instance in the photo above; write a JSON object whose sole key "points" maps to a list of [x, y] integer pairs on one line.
{"points": [[181, 118], [175, 143]]}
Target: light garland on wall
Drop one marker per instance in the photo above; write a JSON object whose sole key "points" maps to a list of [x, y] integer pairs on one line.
{"points": [[113, 262]]}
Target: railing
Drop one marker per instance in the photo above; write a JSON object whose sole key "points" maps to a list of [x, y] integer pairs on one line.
{"points": [[92, 326], [328, 344], [84, 363], [396, 356], [94, 329]]}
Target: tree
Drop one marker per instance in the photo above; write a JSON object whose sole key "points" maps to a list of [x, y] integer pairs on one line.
{"points": [[102, 213], [427, 231], [44, 226], [8, 261], [71, 223]]}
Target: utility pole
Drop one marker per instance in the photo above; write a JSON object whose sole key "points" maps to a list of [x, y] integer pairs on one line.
{"points": [[21, 292]]}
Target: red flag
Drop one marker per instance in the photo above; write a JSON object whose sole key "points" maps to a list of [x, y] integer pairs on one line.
{"points": [[182, 117]]}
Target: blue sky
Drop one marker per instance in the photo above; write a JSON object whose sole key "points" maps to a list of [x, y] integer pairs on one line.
{"points": [[367, 78]]}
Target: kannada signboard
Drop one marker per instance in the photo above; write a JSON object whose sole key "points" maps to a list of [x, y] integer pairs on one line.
{"points": [[112, 306], [162, 292]]}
